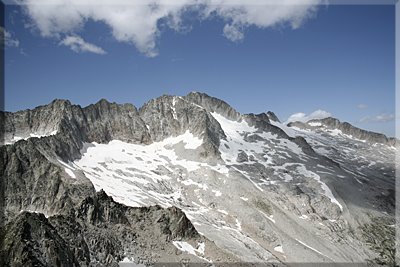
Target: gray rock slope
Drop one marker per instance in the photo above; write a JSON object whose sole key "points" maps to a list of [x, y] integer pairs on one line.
{"points": [[99, 232], [191, 179]]}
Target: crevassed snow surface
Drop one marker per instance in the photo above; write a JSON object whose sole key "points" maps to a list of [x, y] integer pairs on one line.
{"points": [[117, 166], [235, 143]]}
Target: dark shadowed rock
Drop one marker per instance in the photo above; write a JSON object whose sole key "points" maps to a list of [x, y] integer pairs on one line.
{"points": [[107, 121], [212, 104], [30, 240], [242, 157], [98, 232], [168, 116], [272, 116]]}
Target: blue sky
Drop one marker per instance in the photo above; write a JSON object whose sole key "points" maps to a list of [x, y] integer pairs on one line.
{"points": [[339, 59]]}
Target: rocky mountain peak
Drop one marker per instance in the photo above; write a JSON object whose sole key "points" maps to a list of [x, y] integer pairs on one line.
{"points": [[271, 115], [171, 116], [58, 103], [212, 104]]}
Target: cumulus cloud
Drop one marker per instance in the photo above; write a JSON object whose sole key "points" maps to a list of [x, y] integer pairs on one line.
{"points": [[383, 117], [137, 22], [362, 106], [78, 45], [7, 38], [302, 117]]}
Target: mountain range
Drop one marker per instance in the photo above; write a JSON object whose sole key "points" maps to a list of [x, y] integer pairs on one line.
{"points": [[188, 179]]}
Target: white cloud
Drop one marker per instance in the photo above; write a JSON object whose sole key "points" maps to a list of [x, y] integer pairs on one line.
{"points": [[362, 106], [318, 114], [383, 117], [137, 22], [7, 38], [233, 33], [78, 45]]}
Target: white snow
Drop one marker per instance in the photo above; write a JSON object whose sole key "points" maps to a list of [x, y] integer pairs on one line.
{"points": [[288, 130], [291, 146], [138, 175], [328, 193], [70, 173], [16, 138], [186, 247], [244, 198], [173, 108], [238, 225], [222, 211], [191, 142], [201, 248], [41, 135], [271, 218], [191, 182], [235, 142], [313, 249], [217, 193], [35, 211], [248, 177], [279, 249], [127, 259], [314, 124], [66, 165]]}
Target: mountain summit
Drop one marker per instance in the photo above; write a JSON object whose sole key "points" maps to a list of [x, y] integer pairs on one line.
{"points": [[190, 179]]}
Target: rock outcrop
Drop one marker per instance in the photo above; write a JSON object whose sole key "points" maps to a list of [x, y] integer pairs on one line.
{"points": [[99, 232]]}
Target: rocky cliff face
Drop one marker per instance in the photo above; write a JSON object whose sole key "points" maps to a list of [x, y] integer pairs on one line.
{"points": [[30, 240], [191, 179], [100, 232], [169, 116]]}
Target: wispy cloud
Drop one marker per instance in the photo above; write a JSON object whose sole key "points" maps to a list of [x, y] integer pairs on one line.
{"points": [[7, 38], [78, 45], [137, 22], [383, 117], [362, 106], [302, 117]]}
